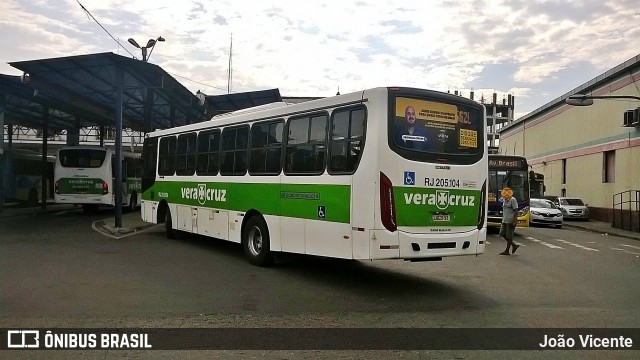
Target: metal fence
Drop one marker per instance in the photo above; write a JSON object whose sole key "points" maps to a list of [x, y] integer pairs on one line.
{"points": [[626, 210]]}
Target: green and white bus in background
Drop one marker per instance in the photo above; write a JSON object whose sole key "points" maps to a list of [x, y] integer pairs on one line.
{"points": [[84, 175], [333, 177]]}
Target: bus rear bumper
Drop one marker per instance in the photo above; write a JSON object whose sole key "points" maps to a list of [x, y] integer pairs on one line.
{"points": [[83, 199], [417, 246], [409, 246]]}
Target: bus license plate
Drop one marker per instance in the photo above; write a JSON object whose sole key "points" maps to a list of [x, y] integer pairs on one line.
{"points": [[440, 217]]}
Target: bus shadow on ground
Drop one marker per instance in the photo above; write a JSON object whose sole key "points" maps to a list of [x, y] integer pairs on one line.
{"points": [[353, 281]]}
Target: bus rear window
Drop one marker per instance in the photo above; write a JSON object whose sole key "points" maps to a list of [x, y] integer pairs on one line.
{"points": [[437, 127], [82, 158]]}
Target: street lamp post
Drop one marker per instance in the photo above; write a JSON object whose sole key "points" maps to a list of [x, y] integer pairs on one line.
{"points": [[150, 44], [586, 100], [631, 117]]}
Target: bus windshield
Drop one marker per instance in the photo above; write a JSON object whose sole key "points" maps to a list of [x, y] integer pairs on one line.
{"points": [[437, 127], [82, 158], [508, 171], [515, 179]]}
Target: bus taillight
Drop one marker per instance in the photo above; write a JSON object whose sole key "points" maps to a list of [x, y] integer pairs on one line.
{"points": [[57, 187], [483, 198], [105, 188], [387, 204]]}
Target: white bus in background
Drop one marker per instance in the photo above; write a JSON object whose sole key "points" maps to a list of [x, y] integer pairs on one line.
{"points": [[333, 177], [84, 175]]}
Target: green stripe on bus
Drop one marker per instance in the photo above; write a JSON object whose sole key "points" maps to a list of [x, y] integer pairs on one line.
{"points": [[304, 201], [436, 207]]}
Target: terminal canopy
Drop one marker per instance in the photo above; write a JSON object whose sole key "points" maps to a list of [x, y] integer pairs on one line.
{"points": [[82, 91]]}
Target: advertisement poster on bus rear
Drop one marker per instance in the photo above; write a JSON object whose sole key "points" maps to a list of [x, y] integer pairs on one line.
{"points": [[433, 126]]}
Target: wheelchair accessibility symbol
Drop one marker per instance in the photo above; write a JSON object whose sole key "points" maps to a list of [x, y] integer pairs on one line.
{"points": [[409, 178], [321, 212]]}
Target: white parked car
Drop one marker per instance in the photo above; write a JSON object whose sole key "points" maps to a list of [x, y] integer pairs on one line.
{"points": [[545, 212]]}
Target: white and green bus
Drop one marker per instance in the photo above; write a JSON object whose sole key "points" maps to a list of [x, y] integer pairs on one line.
{"points": [[332, 177], [85, 175]]}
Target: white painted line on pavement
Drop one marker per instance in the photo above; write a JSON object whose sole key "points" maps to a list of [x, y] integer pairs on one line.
{"points": [[544, 243], [631, 246], [576, 245], [625, 251]]}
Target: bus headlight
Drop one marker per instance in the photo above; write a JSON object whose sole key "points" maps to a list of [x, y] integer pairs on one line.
{"points": [[524, 211]]}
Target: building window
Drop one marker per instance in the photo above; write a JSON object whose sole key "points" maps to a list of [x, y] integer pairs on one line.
{"points": [[564, 171], [609, 166]]}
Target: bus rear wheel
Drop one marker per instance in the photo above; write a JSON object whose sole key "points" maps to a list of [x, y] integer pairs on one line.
{"points": [[171, 232], [133, 202], [32, 199], [256, 243]]}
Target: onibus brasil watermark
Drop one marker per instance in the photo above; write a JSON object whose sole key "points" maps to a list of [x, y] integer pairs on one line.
{"points": [[32, 339]]}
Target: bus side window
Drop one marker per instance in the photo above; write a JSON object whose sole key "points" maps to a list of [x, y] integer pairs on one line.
{"points": [[186, 154], [266, 148], [149, 153], [167, 156], [306, 145], [347, 135], [208, 152], [234, 150]]}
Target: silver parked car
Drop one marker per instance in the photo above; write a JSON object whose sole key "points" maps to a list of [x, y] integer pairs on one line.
{"points": [[573, 208], [545, 212]]}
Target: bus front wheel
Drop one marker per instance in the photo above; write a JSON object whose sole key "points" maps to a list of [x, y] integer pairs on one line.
{"points": [[171, 232], [255, 241]]}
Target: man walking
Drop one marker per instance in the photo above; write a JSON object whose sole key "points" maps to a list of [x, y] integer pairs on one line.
{"points": [[509, 219]]}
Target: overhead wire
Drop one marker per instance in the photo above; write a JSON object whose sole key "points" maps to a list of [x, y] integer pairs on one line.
{"points": [[103, 28], [125, 49]]}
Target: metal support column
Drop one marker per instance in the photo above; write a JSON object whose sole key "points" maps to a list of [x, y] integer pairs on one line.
{"points": [[117, 186], [2, 109], [148, 106], [45, 138]]}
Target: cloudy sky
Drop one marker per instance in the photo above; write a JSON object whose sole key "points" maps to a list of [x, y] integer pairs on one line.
{"points": [[534, 50]]}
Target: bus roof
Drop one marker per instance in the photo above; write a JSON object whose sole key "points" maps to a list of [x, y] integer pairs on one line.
{"points": [[281, 109]]}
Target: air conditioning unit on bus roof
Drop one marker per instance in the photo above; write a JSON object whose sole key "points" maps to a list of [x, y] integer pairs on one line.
{"points": [[272, 105]]}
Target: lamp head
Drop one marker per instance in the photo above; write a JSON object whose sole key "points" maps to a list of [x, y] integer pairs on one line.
{"points": [[579, 100], [134, 43]]}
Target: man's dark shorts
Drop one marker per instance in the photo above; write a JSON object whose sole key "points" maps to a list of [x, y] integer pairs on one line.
{"points": [[506, 231]]}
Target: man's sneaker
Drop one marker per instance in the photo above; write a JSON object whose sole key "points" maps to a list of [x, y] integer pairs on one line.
{"points": [[515, 247]]}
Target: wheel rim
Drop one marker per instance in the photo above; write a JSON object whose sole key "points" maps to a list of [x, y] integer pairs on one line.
{"points": [[254, 242]]}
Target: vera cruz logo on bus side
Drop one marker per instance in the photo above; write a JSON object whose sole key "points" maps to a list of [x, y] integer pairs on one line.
{"points": [[441, 199], [203, 194], [430, 207]]}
